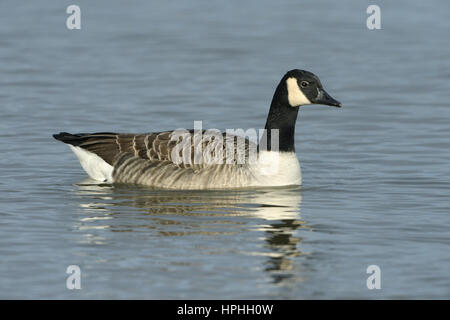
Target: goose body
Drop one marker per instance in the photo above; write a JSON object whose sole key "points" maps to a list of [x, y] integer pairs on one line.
{"points": [[160, 159]]}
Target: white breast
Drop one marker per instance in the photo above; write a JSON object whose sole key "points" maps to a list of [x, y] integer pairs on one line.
{"points": [[277, 169]]}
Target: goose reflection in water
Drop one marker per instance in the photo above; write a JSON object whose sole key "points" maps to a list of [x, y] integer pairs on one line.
{"points": [[274, 213]]}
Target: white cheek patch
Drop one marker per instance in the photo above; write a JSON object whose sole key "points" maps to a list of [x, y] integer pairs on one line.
{"points": [[295, 95]]}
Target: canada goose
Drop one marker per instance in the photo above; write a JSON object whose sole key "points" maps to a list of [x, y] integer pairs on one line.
{"points": [[160, 159]]}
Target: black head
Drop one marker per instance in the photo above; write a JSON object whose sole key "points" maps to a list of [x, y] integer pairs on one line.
{"points": [[297, 88], [304, 88]]}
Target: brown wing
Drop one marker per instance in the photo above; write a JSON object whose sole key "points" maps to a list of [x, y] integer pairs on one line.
{"points": [[159, 146], [108, 145]]}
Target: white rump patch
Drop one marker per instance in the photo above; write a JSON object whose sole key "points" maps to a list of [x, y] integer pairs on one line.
{"points": [[295, 96], [97, 168]]}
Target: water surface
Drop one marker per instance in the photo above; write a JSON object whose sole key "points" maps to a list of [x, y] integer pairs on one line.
{"points": [[375, 173]]}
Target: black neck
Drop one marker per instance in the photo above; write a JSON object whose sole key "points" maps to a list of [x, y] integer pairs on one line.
{"points": [[282, 117]]}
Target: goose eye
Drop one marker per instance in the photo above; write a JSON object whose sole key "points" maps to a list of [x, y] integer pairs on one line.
{"points": [[304, 84]]}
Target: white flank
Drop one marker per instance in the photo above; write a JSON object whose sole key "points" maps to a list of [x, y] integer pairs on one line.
{"points": [[295, 95], [97, 168], [277, 169]]}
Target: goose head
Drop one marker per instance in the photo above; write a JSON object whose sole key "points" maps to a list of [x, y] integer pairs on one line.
{"points": [[305, 88], [296, 88]]}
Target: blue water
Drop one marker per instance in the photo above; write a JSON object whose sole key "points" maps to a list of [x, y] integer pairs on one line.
{"points": [[376, 173]]}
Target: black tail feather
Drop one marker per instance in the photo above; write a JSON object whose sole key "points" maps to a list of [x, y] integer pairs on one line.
{"points": [[73, 139], [103, 144], [79, 138]]}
